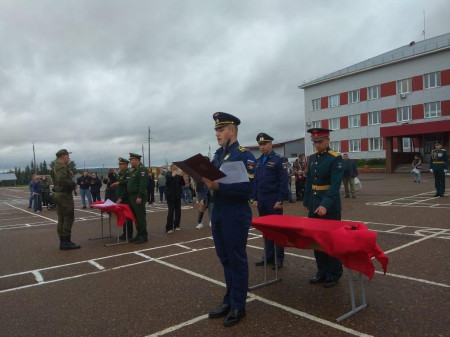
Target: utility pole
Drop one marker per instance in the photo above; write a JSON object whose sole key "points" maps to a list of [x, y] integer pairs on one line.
{"points": [[34, 159], [143, 157], [149, 165]]}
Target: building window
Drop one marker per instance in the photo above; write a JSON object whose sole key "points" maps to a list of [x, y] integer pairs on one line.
{"points": [[334, 123], [375, 144], [404, 114], [406, 143], [335, 146], [333, 101], [355, 145], [316, 124], [354, 121], [353, 96], [432, 109], [404, 86], [316, 104], [373, 92], [432, 80], [374, 117]]}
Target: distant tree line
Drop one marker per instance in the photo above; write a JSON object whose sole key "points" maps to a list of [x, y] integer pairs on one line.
{"points": [[24, 176]]}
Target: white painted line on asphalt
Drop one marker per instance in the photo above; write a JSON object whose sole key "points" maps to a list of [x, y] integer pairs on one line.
{"points": [[415, 242], [96, 265], [38, 276], [184, 324], [415, 279], [32, 213]]}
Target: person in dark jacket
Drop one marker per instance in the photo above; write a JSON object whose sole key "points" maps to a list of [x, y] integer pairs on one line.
{"points": [[151, 187], [85, 182], [174, 183], [96, 185], [110, 192], [36, 189], [45, 190], [350, 173]]}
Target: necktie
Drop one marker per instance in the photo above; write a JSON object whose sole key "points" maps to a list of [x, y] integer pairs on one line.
{"points": [[264, 159]]}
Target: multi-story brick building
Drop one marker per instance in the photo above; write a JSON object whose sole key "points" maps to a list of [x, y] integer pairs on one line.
{"points": [[387, 106]]}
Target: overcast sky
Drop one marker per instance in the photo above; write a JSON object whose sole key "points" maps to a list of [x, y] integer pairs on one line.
{"points": [[92, 76]]}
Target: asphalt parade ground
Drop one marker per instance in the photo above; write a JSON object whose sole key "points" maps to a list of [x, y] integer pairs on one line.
{"points": [[167, 286]]}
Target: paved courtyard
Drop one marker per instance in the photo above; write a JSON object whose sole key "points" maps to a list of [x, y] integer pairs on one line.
{"points": [[167, 286]]}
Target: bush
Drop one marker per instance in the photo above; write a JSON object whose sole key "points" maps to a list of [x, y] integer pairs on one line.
{"points": [[372, 162]]}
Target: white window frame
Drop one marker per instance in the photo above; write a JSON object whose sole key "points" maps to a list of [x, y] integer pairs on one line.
{"points": [[333, 101], [373, 92], [353, 96], [432, 80], [375, 144], [316, 104], [334, 123], [432, 109], [404, 86], [335, 146], [354, 145], [316, 124], [354, 121], [406, 143], [404, 114], [374, 117]]}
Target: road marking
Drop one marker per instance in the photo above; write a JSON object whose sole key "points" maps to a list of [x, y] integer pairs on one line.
{"points": [[96, 265], [32, 213]]}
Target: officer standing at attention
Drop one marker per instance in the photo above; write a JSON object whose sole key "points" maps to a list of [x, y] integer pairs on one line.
{"points": [[322, 200], [122, 195], [269, 190], [63, 188], [231, 219], [137, 191], [438, 166]]}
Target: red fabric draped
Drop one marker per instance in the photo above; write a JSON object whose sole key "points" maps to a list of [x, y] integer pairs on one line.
{"points": [[122, 211], [351, 242]]}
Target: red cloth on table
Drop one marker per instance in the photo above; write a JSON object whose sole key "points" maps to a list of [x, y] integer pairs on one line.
{"points": [[351, 242], [122, 211]]}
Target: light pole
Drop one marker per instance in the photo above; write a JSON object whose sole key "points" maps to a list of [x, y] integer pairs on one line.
{"points": [[143, 157], [34, 159], [149, 165]]}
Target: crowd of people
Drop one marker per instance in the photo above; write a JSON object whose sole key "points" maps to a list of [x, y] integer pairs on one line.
{"points": [[318, 180]]}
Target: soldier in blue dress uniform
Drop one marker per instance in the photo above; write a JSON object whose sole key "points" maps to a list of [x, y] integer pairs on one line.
{"points": [[270, 190], [231, 219], [322, 199], [438, 166]]}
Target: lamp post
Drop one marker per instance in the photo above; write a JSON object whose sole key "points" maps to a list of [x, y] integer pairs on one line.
{"points": [[149, 165]]}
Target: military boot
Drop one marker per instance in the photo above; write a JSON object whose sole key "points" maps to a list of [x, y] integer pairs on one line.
{"points": [[67, 244]]}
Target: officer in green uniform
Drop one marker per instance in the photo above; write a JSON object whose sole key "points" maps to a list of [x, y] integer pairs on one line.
{"points": [[122, 195], [63, 188], [137, 191], [438, 166], [322, 199]]}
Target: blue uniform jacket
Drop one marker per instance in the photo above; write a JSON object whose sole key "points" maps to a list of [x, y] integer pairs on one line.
{"points": [[323, 181], [238, 193], [271, 179]]}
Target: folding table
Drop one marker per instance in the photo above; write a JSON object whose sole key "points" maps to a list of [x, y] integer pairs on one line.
{"points": [[351, 242]]}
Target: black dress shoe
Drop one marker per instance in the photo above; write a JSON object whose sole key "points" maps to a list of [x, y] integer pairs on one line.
{"points": [[317, 279], [221, 311], [261, 263], [330, 283], [140, 240], [234, 317], [278, 266], [437, 195], [123, 237]]}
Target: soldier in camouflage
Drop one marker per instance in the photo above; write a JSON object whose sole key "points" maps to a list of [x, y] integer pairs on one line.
{"points": [[64, 186]]}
